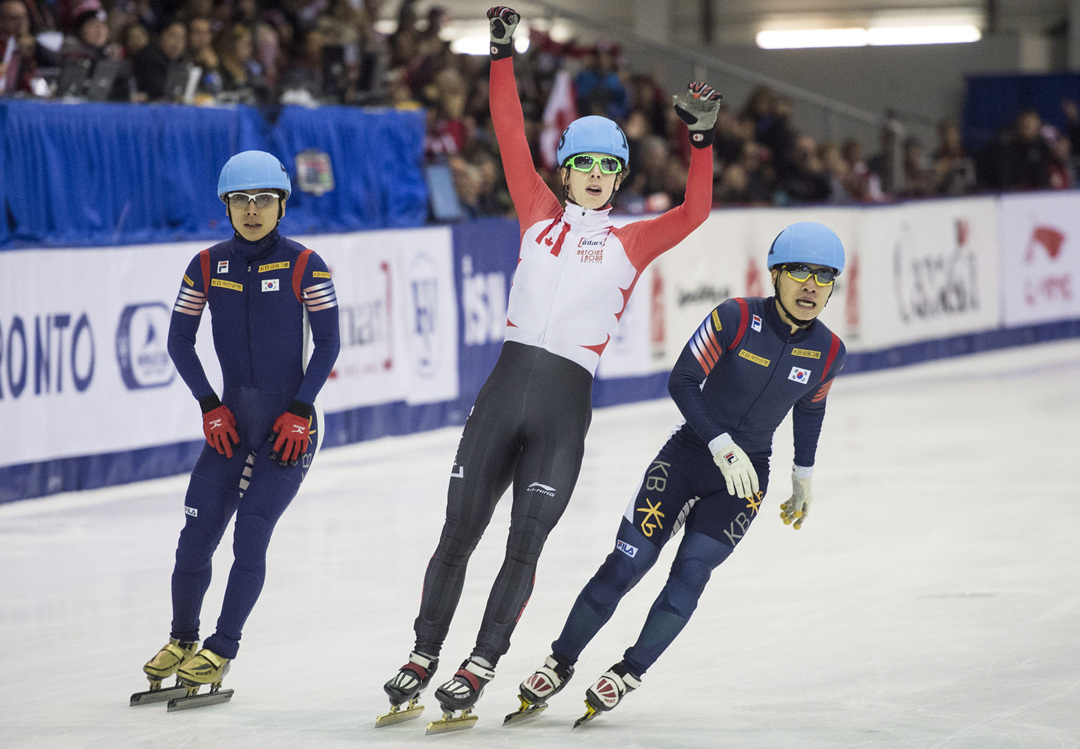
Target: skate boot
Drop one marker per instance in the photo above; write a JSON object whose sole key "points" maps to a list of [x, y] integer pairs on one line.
{"points": [[205, 667], [461, 693], [536, 690], [608, 691], [163, 665], [406, 686]]}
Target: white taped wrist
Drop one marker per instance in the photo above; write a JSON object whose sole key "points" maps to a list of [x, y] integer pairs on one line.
{"points": [[719, 442]]}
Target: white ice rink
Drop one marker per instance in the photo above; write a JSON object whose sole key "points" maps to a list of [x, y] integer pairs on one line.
{"points": [[931, 600]]}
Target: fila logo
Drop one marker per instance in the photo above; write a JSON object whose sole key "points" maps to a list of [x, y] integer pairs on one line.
{"points": [[755, 323], [223, 266], [627, 549], [536, 486], [271, 284], [191, 511], [800, 375]]}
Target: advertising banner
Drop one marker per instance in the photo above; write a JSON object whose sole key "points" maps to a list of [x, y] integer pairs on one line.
{"points": [[929, 270], [1040, 250], [83, 361], [398, 313]]}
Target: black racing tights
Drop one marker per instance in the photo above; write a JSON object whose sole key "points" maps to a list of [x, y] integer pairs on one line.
{"points": [[528, 427]]}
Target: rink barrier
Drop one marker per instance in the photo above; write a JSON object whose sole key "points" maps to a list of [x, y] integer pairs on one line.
{"points": [[426, 310]]}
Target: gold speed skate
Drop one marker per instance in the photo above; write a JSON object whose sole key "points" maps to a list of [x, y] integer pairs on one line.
{"points": [[205, 667], [163, 665]]}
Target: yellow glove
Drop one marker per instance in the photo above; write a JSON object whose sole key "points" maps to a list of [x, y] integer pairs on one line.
{"points": [[797, 507]]}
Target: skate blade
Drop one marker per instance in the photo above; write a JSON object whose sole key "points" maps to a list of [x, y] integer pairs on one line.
{"points": [[200, 700], [449, 723], [526, 711], [153, 696], [590, 713], [399, 714]]}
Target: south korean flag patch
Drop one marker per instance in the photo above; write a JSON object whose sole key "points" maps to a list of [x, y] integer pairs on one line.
{"points": [[800, 375], [271, 284]]}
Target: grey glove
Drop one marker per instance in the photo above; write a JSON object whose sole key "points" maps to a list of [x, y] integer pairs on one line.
{"points": [[502, 22], [698, 110]]}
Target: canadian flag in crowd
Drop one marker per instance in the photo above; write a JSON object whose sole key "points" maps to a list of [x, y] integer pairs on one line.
{"points": [[559, 112]]}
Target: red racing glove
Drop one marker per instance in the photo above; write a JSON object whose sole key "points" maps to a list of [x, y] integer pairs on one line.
{"points": [[290, 434], [219, 425]]}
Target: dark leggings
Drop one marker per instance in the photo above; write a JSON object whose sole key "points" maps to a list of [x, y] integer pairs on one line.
{"points": [[527, 427]]}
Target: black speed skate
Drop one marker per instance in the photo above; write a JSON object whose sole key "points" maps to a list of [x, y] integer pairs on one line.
{"points": [[608, 691], [406, 686], [461, 693], [535, 691]]}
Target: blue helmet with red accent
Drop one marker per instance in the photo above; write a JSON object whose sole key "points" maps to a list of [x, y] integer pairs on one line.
{"points": [[807, 242], [251, 170], [592, 134]]}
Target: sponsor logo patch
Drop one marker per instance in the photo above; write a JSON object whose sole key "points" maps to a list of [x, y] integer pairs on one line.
{"points": [[223, 266], [807, 353], [586, 255], [716, 321], [755, 323], [271, 284], [536, 486], [188, 281], [227, 284], [627, 549], [800, 375], [320, 274], [754, 358], [273, 266], [191, 511], [651, 521]]}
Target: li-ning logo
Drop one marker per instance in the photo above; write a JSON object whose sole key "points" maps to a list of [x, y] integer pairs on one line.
{"points": [[627, 549], [191, 511], [536, 486]]}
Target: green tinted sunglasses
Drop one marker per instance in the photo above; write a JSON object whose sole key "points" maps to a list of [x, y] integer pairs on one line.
{"points": [[583, 162]]}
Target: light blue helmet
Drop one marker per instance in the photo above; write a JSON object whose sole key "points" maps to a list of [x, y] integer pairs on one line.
{"points": [[592, 134], [250, 170], [807, 242]]}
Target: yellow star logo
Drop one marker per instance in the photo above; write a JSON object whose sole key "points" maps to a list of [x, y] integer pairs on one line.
{"points": [[652, 512], [754, 503]]}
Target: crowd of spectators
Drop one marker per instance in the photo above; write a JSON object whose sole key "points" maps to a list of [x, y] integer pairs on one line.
{"points": [[310, 52]]}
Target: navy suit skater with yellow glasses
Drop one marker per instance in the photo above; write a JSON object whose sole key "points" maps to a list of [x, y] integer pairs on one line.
{"points": [[749, 363]]}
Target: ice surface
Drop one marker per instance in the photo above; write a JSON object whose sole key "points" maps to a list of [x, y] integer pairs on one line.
{"points": [[931, 600]]}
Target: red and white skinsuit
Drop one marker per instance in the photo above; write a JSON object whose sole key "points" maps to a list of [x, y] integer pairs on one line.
{"points": [[575, 273]]}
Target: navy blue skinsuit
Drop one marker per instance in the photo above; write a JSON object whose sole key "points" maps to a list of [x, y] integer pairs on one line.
{"points": [[754, 371], [263, 298]]}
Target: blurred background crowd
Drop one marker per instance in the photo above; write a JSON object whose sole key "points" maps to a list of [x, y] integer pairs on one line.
{"points": [[270, 53]]}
